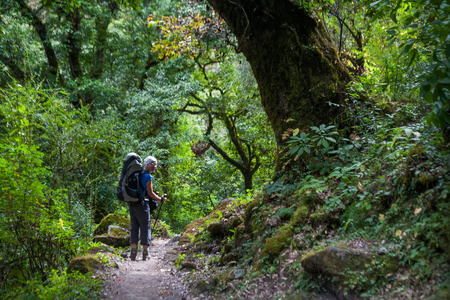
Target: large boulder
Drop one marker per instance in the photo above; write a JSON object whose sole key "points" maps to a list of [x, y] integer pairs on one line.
{"points": [[92, 262], [112, 220], [114, 241], [191, 230], [85, 264], [346, 272], [113, 231]]}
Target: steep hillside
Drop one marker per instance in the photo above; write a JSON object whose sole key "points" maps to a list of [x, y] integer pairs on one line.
{"points": [[370, 219]]}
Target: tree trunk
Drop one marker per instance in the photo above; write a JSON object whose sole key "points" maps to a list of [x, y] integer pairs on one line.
{"points": [[40, 28], [101, 24], [299, 74], [74, 44]]}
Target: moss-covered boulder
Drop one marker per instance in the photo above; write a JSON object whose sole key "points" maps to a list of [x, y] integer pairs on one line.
{"points": [[112, 240], [113, 230], [85, 264], [103, 248], [282, 238], [191, 230], [112, 219], [344, 270]]}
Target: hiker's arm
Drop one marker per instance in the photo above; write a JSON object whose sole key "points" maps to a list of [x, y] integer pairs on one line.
{"points": [[152, 194]]}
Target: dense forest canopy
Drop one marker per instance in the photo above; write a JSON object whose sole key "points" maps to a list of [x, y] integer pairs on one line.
{"points": [[266, 100]]}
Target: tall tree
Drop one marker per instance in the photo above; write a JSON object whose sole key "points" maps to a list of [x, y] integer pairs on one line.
{"points": [[299, 74], [41, 29], [228, 100]]}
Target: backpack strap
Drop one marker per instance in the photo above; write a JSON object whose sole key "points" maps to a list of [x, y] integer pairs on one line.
{"points": [[144, 189]]}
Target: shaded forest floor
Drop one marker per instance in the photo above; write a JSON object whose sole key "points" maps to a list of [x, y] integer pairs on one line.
{"points": [[155, 278]]}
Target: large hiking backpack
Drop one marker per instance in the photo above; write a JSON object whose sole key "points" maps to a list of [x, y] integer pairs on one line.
{"points": [[128, 188]]}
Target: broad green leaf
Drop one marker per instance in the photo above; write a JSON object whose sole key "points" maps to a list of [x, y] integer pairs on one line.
{"points": [[408, 132]]}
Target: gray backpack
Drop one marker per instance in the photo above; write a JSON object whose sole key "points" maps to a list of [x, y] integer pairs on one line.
{"points": [[128, 188]]}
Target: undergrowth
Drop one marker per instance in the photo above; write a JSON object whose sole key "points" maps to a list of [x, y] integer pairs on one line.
{"points": [[382, 181]]}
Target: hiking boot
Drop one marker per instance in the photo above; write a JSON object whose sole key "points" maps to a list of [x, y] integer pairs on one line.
{"points": [[133, 253], [144, 254]]}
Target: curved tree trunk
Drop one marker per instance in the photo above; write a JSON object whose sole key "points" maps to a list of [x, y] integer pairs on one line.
{"points": [[297, 68]]}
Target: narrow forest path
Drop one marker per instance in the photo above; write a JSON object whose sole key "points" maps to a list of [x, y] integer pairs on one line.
{"points": [[153, 279]]}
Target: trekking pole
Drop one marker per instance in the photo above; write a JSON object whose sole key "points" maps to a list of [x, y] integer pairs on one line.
{"points": [[159, 210]]}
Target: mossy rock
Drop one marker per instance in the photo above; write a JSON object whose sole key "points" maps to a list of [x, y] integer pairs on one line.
{"points": [[221, 228], [111, 219], [189, 263], [114, 241], [191, 230], [118, 231], [323, 218], [222, 278], [206, 285], [278, 242], [235, 222], [282, 238], [103, 248], [218, 229], [339, 266], [85, 264]]}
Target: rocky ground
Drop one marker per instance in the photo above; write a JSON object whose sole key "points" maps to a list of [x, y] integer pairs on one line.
{"points": [[155, 278]]}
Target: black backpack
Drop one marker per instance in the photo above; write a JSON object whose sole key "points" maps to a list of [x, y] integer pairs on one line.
{"points": [[128, 188], [130, 179]]}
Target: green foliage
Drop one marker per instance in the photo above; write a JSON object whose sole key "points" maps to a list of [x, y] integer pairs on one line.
{"points": [[179, 260], [36, 230], [384, 176], [319, 140], [423, 30], [59, 285]]}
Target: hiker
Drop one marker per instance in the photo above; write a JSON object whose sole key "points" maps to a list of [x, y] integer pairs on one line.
{"points": [[140, 211]]}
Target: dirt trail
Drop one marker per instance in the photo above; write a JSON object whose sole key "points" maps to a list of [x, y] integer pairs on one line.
{"points": [[153, 279]]}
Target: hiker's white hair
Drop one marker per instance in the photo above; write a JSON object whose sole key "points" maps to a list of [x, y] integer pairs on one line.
{"points": [[148, 160]]}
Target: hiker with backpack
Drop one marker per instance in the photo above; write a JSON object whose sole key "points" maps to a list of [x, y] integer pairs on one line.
{"points": [[135, 187], [140, 211]]}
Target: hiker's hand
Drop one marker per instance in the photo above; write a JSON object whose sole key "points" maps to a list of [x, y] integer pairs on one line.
{"points": [[163, 198]]}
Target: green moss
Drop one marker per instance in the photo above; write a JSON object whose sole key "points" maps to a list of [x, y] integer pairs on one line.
{"points": [[417, 150], [111, 219], [282, 237], [302, 212], [118, 232], [192, 230], [257, 223], [352, 269], [84, 264], [249, 210], [278, 242]]}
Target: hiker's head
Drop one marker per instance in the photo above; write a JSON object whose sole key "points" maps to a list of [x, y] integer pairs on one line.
{"points": [[150, 164]]}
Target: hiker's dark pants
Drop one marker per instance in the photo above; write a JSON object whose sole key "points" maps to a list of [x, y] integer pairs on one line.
{"points": [[140, 219]]}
